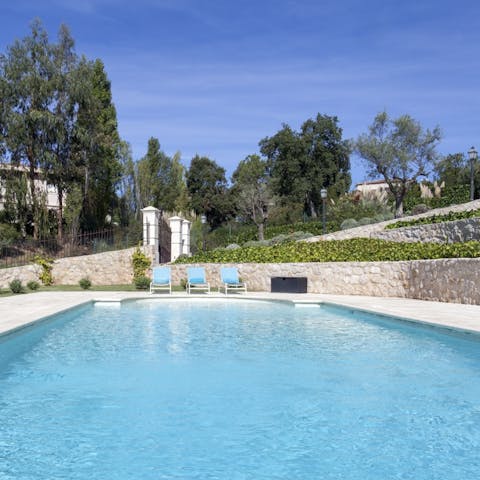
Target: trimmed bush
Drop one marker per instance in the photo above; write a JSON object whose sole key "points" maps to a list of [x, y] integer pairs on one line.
{"points": [[140, 263], [366, 221], [16, 286], [420, 208], [33, 285], [299, 236], [348, 223], [85, 283], [256, 243], [278, 239], [142, 283]]}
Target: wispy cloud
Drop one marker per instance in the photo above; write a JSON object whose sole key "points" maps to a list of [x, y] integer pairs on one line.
{"points": [[214, 77]]}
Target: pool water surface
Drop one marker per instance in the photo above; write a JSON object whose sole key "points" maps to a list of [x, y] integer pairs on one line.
{"points": [[213, 389]]}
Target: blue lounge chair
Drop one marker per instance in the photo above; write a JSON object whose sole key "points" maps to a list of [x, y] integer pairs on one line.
{"points": [[161, 279], [196, 279], [231, 281]]}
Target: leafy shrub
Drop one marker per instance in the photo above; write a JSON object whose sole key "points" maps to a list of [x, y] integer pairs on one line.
{"points": [[8, 234], [420, 208], [16, 286], [452, 195], [46, 263], [85, 283], [142, 282], [348, 223], [278, 239], [183, 283], [256, 243], [33, 285], [353, 250], [365, 221], [299, 236], [140, 264]]}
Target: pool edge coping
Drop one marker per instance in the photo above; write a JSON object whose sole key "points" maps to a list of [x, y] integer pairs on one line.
{"points": [[349, 303]]}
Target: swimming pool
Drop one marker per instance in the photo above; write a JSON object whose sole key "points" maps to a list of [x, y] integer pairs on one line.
{"points": [[206, 389]]}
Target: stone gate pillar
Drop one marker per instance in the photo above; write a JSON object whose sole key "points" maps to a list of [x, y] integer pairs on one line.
{"points": [[151, 220], [180, 229], [186, 225], [176, 244]]}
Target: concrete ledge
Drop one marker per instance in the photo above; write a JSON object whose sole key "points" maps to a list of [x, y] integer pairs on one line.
{"points": [[16, 312]]}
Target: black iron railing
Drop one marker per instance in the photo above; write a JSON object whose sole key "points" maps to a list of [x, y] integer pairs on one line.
{"points": [[23, 252]]}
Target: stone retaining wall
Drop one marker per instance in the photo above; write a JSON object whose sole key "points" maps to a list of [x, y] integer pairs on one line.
{"points": [[108, 268], [446, 232], [445, 280], [372, 230]]}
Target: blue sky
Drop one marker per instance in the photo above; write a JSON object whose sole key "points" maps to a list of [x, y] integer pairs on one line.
{"points": [[215, 77]]}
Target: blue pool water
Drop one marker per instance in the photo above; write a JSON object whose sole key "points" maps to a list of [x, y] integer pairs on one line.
{"points": [[237, 390]]}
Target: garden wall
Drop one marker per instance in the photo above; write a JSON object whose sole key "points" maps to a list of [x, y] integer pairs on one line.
{"points": [[445, 280], [445, 232], [377, 230], [109, 268]]}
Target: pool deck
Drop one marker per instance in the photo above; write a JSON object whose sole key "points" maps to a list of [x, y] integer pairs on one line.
{"points": [[18, 311]]}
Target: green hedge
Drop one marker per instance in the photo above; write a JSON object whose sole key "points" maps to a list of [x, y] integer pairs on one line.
{"points": [[354, 250], [448, 217]]}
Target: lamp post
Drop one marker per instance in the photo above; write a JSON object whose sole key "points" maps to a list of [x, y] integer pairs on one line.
{"points": [[203, 220], [472, 155], [323, 194]]}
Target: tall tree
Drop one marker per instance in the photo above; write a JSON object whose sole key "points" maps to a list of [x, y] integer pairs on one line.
{"points": [[61, 169], [99, 144], [453, 169], [27, 71], [400, 151], [302, 163], [160, 178], [207, 186], [128, 209], [250, 191]]}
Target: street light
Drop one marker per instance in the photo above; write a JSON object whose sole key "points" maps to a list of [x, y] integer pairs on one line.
{"points": [[472, 155], [323, 194], [203, 220]]}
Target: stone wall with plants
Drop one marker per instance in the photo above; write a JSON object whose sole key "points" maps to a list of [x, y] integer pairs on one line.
{"points": [[108, 268], [370, 231], [444, 280], [446, 232]]}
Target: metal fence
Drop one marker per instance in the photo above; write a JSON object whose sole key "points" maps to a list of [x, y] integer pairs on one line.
{"points": [[23, 252]]}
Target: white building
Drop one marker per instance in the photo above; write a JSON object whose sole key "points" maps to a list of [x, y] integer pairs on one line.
{"points": [[41, 186], [377, 186]]}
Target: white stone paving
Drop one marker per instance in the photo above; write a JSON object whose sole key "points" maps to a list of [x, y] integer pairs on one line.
{"points": [[21, 310]]}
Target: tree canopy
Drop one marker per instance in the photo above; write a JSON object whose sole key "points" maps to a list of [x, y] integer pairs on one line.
{"points": [[400, 151], [302, 163], [59, 123], [251, 191], [208, 190]]}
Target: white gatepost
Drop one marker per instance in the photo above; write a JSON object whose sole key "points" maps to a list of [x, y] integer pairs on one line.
{"points": [[176, 243], [151, 227], [186, 225]]}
